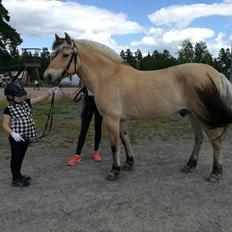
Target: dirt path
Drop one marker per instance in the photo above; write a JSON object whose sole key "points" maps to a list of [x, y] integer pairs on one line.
{"points": [[155, 197]]}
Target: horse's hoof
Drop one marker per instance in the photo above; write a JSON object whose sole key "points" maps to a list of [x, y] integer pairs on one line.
{"points": [[127, 167], [186, 169], [111, 177], [213, 178]]}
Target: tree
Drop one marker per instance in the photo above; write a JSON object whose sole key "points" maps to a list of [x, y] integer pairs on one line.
{"points": [[169, 60], [162, 60], [9, 40], [186, 53], [138, 58], [224, 60], [130, 59], [201, 54], [123, 55], [147, 62]]}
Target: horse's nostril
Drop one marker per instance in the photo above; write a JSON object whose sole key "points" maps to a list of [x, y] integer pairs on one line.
{"points": [[49, 77]]}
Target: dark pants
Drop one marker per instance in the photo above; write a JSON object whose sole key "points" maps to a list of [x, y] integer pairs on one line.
{"points": [[89, 109], [18, 150]]}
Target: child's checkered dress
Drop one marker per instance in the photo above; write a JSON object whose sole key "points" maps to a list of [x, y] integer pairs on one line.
{"points": [[21, 120]]}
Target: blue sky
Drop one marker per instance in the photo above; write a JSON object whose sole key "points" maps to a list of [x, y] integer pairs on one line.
{"points": [[121, 24]]}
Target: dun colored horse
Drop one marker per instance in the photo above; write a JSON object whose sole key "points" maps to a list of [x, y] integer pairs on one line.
{"points": [[121, 93]]}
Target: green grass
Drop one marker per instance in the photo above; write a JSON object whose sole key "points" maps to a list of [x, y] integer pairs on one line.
{"points": [[66, 125]]}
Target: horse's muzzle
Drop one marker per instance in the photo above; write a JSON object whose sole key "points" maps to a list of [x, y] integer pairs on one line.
{"points": [[51, 77]]}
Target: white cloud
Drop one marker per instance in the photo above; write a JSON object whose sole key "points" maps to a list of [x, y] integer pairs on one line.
{"points": [[183, 15], [160, 38], [174, 27], [43, 18], [219, 42], [193, 34], [172, 40], [150, 40], [145, 42], [46, 17]]}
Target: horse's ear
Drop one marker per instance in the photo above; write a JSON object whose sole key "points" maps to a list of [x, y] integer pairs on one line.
{"points": [[68, 38], [57, 37]]}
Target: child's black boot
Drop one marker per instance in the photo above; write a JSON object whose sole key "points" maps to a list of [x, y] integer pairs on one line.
{"points": [[20, 183]]}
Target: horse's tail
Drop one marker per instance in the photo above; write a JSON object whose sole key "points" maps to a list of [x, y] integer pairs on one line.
{"points": [[216, 103]]}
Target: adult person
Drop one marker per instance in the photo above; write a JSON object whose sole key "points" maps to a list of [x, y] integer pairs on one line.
{"points": [[36, 84], [89, 109]]}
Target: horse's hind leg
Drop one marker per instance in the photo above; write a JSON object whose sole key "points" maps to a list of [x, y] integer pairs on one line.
{"points": [[216, 142], [113, 129], [198, 140], [126, 143]]}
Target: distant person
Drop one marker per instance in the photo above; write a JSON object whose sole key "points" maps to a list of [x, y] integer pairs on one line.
{"points": [[36, 84], [89, 109], [17, 122]]}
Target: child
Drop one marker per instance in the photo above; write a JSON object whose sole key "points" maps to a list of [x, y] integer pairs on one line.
{"points": [[18, 124]]}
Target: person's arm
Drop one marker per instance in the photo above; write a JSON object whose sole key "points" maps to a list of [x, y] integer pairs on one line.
{"points": [[6, 124], [6, 127], [44, 96]]}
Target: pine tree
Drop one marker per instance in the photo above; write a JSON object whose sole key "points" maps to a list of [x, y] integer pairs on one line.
{"points": [[201, 53], [9, 40], [138, 59], [130, 59], [186, 53], [224, 61]]}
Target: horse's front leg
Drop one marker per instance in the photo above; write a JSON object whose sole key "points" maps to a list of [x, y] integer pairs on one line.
{"points": [[113, 129], [129, 164]]}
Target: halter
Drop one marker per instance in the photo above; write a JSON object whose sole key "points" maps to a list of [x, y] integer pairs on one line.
{"points": [[73, 58]]}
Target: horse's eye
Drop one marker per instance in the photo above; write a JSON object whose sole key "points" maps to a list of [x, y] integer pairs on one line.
{"points": [[66, 55]]}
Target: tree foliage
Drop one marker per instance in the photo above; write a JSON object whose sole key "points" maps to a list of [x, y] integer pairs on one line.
{"points": [[201, 53], [188, 53], [9, 40]]}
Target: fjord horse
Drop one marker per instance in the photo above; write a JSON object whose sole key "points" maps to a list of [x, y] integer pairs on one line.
{"points": [[121, 93]]}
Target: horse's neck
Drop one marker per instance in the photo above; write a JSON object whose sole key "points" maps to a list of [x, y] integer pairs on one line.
{"points": [[94, 69]]}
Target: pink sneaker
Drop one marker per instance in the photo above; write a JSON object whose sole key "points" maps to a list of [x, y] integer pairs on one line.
{"points": [[96, 156], [74, 159]]}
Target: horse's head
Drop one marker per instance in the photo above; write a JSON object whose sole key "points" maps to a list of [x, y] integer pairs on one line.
{"points": [[64, 60]]}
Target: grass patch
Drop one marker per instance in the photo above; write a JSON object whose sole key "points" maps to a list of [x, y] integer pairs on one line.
{"points": [[66, 125]]}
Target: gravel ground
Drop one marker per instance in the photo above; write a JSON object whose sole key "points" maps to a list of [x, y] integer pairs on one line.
{"points": [[155, 197]]}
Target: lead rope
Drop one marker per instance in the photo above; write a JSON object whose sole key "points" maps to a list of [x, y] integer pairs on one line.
{"points": [[76, 94], [48, 125]]}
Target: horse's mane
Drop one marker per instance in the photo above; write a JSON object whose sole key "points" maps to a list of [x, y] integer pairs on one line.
{"points": [[110, 53]]}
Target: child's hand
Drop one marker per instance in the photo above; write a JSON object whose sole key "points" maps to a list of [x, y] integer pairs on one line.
{"points": [[53, 90], [17, 137]]}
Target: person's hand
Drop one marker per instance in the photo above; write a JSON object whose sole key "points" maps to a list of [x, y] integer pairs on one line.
{"points": [[53, 90], [16, 136]]}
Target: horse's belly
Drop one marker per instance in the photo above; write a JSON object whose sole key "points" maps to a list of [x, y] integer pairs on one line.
{"points": [[153, 105], [151, 113]]}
